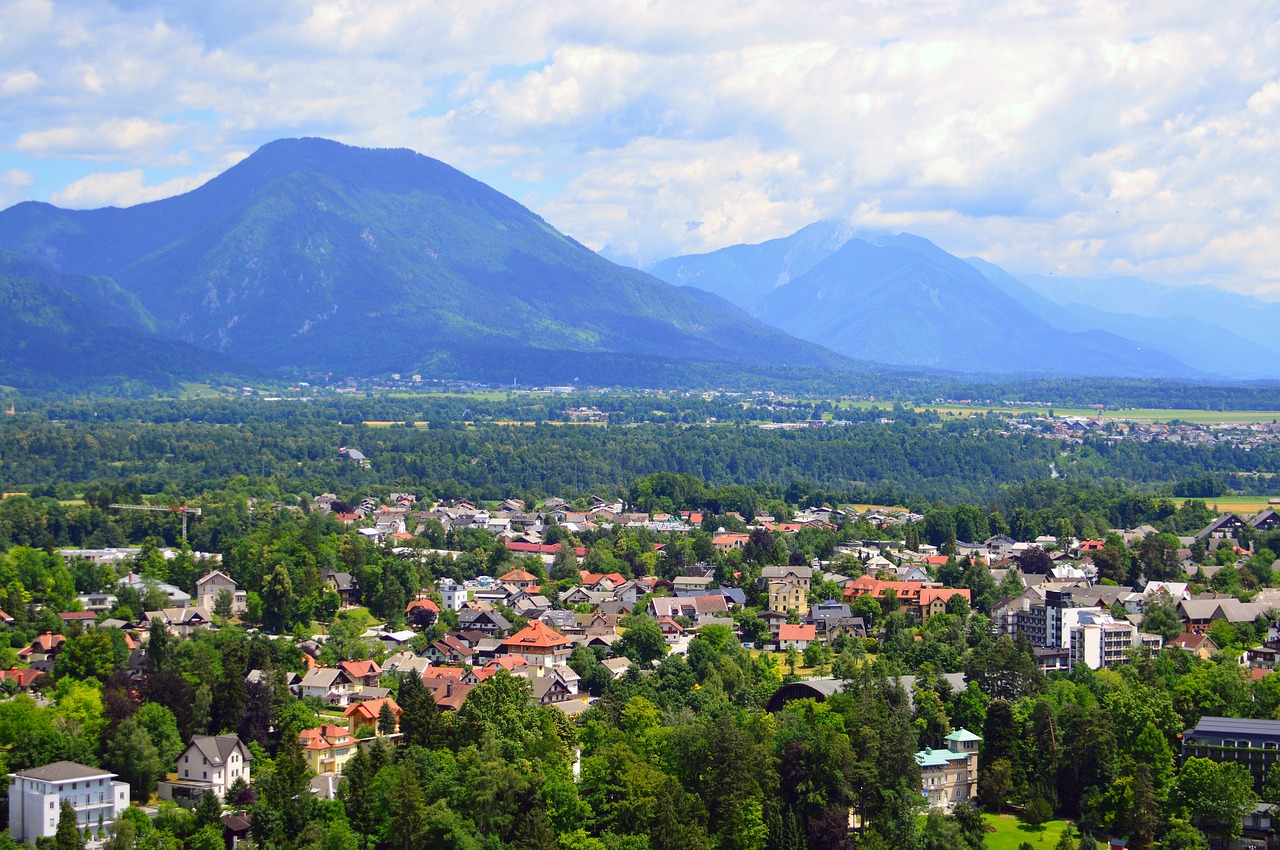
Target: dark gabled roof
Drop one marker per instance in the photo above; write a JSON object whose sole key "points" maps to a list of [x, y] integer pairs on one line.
{"points": [[63, 771], [218, 748]]}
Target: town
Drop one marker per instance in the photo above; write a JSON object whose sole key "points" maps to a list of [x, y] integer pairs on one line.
{"points": [[571, 627]]}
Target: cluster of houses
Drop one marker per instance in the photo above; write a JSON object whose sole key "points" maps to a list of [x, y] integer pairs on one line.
{"points": [[1074, 429]]}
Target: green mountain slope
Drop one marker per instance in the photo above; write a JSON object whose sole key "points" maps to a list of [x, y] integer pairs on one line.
{"points": [[54, 339], [311, 254]]}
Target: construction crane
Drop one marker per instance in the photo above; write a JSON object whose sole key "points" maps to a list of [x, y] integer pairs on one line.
{"points": [[176, 509]]}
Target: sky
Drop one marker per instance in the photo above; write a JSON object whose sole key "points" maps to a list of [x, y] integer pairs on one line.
{"points": [[1078, 138]]}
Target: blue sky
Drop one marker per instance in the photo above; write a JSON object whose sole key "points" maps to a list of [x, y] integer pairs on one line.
{"points": [[1083, 138]]}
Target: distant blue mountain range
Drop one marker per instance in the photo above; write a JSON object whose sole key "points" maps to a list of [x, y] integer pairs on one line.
{"points": [[900, 299]]}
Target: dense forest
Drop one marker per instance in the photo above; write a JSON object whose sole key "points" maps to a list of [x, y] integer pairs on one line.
{"points": [[466, 449]]}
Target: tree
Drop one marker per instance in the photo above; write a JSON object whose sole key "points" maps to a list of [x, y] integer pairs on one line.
{"points": [[1160, 617], [386, 720], [1038, 812], [277, 599], [162, 728], [223, 604], [132, 755], [996, 784], [1144, 811], [208, 811], [68, 836], [88, 656], [408, 807], [420, 720], [642, 641], [1215, 795]]}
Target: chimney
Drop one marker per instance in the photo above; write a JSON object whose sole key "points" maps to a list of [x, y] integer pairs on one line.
{"points": [[448, 688]]}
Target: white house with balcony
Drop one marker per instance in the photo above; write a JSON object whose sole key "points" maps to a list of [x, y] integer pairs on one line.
{"points": [[36, 797], [209, 763]]}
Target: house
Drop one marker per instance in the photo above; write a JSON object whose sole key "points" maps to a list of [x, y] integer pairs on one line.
{"points": [[449, 694], [950, 776], [369, 712], [344, 584], [489, 622], [558, 684], [692, 582], [327, 748], [405, 664], [211, 585], [538, 644], [617, 667], [1201, 646], [21, 677], [775, 620], [86, 619], [362, 674], [692, 607], [178, 598], [329, 684], [422, 613], [796, 635], [670, 629], [449, 650], [209, 763], [181, 622], [520, 578], [44, 648], [730, 542], [36, 796], [1227, 526]]}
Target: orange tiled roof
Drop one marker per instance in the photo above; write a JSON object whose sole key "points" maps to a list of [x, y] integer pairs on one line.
{"points": [[536, 635], [797, 631]]}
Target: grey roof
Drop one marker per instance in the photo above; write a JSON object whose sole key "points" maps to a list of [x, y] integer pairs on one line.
{"points": [[218, 748], [1236, 725], [64, 771]]}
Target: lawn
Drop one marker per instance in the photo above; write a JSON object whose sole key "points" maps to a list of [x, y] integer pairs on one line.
{"points": [[1011, 832]]}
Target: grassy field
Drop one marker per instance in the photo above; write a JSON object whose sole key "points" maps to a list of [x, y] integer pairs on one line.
{"points": [[1011, 832], [1240, 504]]}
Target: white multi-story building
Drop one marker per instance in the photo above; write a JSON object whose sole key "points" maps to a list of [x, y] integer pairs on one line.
{"points": [[1099, 640], [36, 796], [453, 595]]}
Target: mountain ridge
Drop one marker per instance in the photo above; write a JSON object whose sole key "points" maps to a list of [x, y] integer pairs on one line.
{"points": [[900, 299], [310, 254]]}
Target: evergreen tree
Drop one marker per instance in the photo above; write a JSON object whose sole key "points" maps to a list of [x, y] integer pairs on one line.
{"points": [[408, 807], [201, 712], [208, 811], [420, 721], [132, 755], [386, 720], [68, 835], [1144, 811]]}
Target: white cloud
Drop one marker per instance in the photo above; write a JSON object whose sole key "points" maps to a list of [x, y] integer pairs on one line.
{"points": [[113, 136], [122, 189], [1089, 137], [15, 186]]}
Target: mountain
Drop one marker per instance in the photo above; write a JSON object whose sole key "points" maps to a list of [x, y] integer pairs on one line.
{"points": [[1218, 332], [66, 332], [743, 274], [310, 254], [903, 300]]}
